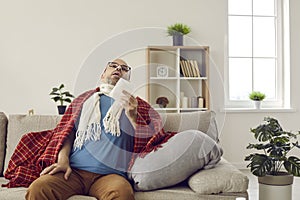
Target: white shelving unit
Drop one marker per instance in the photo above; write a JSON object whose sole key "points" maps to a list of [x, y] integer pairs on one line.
{"points": [[177, 81]]}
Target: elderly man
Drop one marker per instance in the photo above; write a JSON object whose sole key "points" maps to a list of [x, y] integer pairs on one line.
{"points": [[98, 146]]}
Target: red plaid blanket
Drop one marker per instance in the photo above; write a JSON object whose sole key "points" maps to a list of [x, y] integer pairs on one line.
{"points": [[37, 150]]}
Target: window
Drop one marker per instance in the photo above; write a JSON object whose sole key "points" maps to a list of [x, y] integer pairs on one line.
{"points": [[258, 51]]}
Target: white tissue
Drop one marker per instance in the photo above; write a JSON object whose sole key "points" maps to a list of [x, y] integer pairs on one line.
{"points": [[121, 85]]}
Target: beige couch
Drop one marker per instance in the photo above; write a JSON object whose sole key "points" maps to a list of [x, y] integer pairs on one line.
{"points": [[222, 182]]}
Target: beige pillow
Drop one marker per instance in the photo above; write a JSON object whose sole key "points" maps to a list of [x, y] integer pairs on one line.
{"points": [[199, 120], [18, 125], [224, 177]]}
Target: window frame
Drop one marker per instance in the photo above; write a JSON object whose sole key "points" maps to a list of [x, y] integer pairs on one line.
{"points": [[282, 65]]}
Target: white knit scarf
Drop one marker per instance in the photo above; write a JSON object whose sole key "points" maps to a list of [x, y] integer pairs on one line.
{"points": [[89, 127]]}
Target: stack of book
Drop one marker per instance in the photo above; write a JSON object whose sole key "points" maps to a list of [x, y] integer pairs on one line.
{"points": [[189, 68]]}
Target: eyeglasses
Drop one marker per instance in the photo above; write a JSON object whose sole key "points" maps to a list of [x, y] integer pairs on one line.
{"points": [[115, 65]]}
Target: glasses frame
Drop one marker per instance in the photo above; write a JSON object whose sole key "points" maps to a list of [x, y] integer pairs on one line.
{"points": [[124, 68]]}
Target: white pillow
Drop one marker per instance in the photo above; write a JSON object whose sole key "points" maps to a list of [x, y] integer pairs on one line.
{"points": [[176, 160]]}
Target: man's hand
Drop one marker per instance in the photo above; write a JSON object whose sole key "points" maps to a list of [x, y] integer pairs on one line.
{"points": [[62, 166], [63, 162], [130, 104]]}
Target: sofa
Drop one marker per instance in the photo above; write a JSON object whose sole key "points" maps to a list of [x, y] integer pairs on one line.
{"points": [[223, 181]]}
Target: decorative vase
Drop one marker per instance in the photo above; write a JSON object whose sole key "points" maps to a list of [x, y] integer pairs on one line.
{"points": [[177, 39], [257, 104], [61, 109], [276, 187]]}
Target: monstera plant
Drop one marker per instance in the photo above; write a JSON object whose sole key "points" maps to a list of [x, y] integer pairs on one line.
{"points": [[274, 182], [275, 143]]}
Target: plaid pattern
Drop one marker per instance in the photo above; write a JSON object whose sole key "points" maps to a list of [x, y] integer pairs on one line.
{"points": [[37, 150]]}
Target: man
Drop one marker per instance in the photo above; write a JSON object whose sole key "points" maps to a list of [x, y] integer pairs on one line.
{"points": [[94, 157]]}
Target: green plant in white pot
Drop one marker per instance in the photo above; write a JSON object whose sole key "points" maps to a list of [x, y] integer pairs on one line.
{"points": [[257, 97], [274, 164], [177, 31], [61, 96]]}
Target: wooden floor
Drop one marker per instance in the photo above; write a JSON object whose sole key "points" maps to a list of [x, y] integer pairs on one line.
{"points": [[253, 186]]}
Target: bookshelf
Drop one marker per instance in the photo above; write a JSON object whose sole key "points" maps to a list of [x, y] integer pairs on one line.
{"points": [[186, 82]]}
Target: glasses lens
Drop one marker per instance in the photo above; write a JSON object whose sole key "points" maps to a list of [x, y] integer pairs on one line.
{"points": [[113, 65], [125, 68]]}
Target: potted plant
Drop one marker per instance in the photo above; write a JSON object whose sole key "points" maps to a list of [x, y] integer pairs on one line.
{"points": [[177, 30], [61, 96], [275, 143], [257, 97]]}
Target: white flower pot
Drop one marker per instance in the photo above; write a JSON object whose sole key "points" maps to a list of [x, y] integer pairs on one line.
{"points": [[257, 104], [275, 187]]}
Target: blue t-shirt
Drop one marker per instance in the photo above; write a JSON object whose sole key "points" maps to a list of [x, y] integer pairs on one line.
{"points": [[109, 155]]}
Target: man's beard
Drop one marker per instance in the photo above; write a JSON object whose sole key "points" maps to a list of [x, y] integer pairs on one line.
{"points": [[111, 82]]}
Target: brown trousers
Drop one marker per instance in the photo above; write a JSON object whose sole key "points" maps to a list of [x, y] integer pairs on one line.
{"points": [[80, 182]]}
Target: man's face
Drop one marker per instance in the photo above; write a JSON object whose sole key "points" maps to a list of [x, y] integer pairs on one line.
{"points": [[114, 71]]}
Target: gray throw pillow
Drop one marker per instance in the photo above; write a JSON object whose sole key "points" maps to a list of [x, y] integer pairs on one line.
{"points": [[184, 154]]}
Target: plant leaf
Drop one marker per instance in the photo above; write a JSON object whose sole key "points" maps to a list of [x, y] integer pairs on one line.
{"points": [[54, 93], [67, 100], [292, 165], [178, 28], [55, 98], [296, 144], [260, 164], [68, 94], [54, 89], [281, 139], [259, 146], [248, 158], [262, 133], [61, 86]]}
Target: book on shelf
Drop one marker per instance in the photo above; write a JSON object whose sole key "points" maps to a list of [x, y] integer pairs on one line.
{"points": [[189, 68], [198, 74], [183, 68], [193, 68]]}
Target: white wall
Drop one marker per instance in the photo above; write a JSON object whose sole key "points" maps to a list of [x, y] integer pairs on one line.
{"points": [[44, 43]]}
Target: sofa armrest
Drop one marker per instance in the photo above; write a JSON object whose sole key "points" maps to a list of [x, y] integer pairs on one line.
{"points": [[222, 178], [3, 133]]}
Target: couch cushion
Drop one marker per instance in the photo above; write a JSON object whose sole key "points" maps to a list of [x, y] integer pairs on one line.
{"points": [[175, 193], [21, 124], [3, 131], [223, 178], [184, 193], [201, 120], [176, 160]]}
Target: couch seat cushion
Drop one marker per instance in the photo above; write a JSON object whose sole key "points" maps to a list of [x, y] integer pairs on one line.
{"points": [[175, 193], [223, 178]]}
